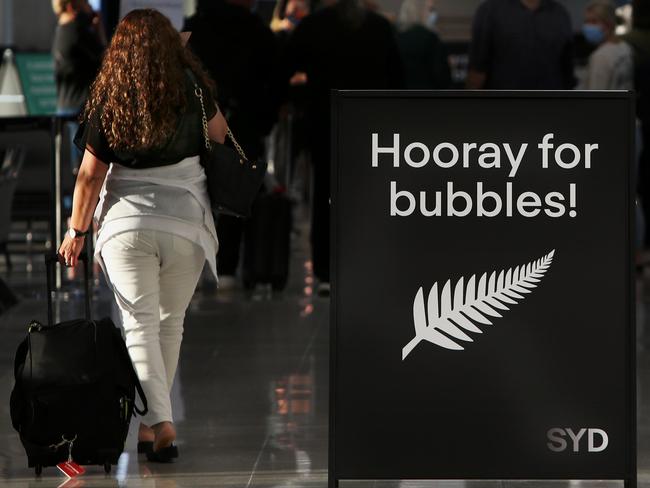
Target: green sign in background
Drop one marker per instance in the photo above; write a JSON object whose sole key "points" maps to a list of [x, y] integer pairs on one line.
{"points": [[36, 71]]}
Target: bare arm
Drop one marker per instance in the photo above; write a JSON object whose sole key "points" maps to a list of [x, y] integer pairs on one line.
{"points": [[86, 194], [217, 127]]}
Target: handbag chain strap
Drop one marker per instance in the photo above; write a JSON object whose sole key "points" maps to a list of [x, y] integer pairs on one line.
{"points": [[204, 119]]}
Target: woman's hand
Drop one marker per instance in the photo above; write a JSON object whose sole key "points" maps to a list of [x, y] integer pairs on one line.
{"points": [[70, 249], [90, 178]]}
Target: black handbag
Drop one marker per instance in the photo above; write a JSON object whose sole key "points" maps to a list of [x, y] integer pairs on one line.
{"points": [[233, 181]]}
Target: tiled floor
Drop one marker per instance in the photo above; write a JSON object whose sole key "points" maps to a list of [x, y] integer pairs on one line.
{"points": [[251, 396]]}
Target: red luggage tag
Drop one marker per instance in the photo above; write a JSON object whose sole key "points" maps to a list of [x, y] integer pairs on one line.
{"points": [[69, 467]]}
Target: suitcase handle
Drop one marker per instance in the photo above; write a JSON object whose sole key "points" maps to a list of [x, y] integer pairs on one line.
{"points": [[51, 260]]}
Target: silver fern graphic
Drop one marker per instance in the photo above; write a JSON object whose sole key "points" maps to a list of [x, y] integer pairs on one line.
{"points": [[471, 304]]}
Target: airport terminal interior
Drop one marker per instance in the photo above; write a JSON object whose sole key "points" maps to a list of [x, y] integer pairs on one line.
{"points": [[251, 395], [253, 411]]}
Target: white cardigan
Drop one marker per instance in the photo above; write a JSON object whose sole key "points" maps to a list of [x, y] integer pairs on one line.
{"points": [[171, 199]]}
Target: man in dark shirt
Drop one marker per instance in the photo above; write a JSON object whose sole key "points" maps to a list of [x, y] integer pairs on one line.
{"points": [[521, 44], [240, 53], [77, 52], [343, 46]]}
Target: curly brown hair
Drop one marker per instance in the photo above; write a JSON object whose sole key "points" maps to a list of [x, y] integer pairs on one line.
{"points": [[140, 90]]}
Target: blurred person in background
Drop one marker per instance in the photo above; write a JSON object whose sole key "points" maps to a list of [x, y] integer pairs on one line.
{"points": [[610, 65], [521, 45], [142, 137], [290, 130], [639, 39], [241, 54], [77, 50], [341, 46], [424, 56]]}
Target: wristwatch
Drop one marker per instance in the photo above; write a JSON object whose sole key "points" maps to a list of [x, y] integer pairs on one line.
{"points": [[74, 233]]}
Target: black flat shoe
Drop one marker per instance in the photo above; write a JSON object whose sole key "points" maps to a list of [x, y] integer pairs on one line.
{"points": [[145, 446], [164, 455]]}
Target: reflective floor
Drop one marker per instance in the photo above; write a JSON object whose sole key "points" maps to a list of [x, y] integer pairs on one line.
{"points": [[251, 395]]}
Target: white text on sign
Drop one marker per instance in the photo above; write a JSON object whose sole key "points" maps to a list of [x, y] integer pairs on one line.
{"points": [[481, 201]]}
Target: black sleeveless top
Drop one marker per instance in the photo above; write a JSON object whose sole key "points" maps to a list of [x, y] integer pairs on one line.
{"points": [[187, 140]]}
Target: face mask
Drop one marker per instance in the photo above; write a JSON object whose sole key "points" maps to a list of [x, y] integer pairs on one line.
{"points": [[431, 19], [593, 33]]}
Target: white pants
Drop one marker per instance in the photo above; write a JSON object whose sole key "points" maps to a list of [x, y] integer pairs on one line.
{"points": [[153, 275]]}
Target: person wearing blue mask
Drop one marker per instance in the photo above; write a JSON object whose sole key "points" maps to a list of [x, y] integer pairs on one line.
{"points": [[611, 65]]}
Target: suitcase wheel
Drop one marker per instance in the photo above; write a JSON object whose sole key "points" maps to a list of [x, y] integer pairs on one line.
{"points": [[38, 469], [107, 467]]}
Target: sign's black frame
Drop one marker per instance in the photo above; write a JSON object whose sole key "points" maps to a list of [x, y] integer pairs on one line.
{"points": [[630, 380]]}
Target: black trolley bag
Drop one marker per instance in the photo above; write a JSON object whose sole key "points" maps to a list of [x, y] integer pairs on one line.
{"points": [[75, 386], [267, 241]]}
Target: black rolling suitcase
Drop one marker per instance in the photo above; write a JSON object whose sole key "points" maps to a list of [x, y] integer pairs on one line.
{"points": [[267, 241], [75, 389]]}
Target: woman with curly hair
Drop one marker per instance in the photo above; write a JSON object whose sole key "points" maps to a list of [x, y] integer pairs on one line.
{"points": [[141, 136]]}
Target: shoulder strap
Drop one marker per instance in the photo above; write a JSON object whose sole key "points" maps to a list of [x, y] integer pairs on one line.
{"points": [[198, 92]]}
